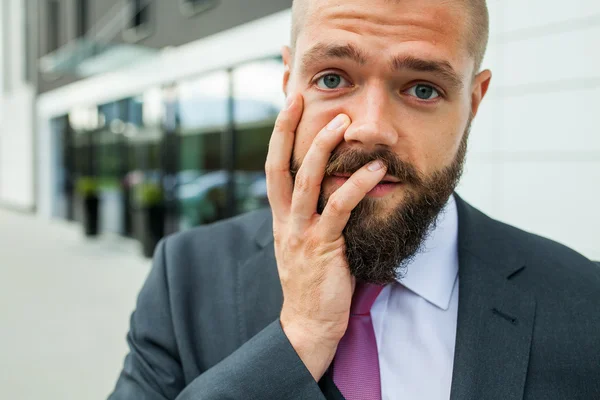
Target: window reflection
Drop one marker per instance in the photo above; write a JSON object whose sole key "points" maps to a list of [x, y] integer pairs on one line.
{"points": [[152, 107], [173, 157], [83, 120], [112, 165], [257, 91], [203, 103], [202, 179], [258, 98]]}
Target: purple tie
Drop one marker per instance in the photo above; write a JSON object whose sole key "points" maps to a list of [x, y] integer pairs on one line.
{"points": [[356, 364]]}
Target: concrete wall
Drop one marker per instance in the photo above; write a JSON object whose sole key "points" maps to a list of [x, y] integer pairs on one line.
{"points": [[534, 160], [17, 180]]}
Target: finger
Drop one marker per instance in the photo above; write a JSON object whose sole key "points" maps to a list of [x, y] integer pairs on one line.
{"points": [[307, 185], [277, 166], [341, 203]]}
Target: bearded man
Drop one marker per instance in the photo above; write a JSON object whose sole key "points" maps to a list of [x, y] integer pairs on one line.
{"points": [[369, 278]]}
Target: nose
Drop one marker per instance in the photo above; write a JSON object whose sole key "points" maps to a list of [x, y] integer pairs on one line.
{"points": [[372, 116]]}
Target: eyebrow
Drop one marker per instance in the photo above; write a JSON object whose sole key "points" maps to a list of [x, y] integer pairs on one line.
{"points": [[441, 68], [322, 50]]}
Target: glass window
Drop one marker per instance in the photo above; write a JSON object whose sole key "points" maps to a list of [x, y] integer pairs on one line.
{"points": [[201, 114], [81, 9], [111, 164], [140, 13], [53, 24], [139, 20], [152, 107], [258, 99], [257, 89], [63, 166], [193, 7]]}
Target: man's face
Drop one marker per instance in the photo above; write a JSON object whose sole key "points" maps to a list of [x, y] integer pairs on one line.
{"points": [[402, 72]]}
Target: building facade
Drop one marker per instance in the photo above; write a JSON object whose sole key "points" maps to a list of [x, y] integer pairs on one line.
{"points": [[177, 133]]}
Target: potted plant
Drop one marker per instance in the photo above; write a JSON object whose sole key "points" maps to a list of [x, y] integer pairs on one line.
{"points": [[149, 215], [87, 189]]}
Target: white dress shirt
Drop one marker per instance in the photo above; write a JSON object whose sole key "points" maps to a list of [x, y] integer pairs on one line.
{"points": [[415, 320]]}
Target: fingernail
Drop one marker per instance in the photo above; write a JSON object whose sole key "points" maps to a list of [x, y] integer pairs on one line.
{"points": [[336, 123], [375, 166], [289, 102]]}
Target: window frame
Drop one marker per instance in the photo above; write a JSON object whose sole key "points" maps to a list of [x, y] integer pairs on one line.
{"points": [[189, 8]]}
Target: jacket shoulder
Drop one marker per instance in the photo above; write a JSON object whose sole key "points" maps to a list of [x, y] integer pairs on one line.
{"points": [[551, 260], [237, 230], [549, 264], [214, 249]]}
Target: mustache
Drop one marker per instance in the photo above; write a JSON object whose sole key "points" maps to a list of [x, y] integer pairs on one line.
{"points": [[348, 161]]}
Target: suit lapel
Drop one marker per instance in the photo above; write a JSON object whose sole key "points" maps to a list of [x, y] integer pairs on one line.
{"points": [[259, 295], [329, 389], [495, 315]]}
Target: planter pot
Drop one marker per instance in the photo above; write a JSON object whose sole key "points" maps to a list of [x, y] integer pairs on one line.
{"points": [[91, 206], [149, 225]]}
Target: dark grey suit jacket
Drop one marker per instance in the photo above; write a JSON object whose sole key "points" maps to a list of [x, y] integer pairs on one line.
{"points": [[206, 325]]}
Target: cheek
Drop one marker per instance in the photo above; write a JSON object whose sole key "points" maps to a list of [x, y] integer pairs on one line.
{"points": [[314, 119], [441, 149], [437, 142]]}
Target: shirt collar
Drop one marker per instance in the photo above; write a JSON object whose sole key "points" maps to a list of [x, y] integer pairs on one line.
{"points": [[434, 270]]}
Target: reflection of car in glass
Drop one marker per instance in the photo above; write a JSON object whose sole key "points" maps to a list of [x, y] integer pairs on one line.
{"points": [[154, 176], [187, 176], [204, 199]]}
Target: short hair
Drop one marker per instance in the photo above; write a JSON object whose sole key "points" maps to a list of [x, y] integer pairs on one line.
{"points": [[478, 32]]}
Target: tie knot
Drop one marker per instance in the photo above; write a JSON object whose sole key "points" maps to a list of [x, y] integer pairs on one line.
{"points": [[364, 297]]}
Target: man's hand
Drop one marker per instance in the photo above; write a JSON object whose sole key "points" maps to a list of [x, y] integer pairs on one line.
{"points": [[309, 248]]}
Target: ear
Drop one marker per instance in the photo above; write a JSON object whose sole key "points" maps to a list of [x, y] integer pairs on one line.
{"points": [[286, 55], [481, 83]]}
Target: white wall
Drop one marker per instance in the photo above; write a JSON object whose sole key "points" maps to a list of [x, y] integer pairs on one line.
{"points": [[534, 160], [16, 113]]}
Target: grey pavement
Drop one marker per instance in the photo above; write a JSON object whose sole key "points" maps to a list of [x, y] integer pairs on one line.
{"points": [[65, 304]]}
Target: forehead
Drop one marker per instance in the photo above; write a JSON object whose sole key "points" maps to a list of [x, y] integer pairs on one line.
{"points": [[422, 28]]}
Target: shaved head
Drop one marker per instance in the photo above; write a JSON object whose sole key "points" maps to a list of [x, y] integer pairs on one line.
{"points": [[477, 32]]}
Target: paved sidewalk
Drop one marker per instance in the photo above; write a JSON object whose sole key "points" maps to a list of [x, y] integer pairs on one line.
{"points": [[65, 304]]}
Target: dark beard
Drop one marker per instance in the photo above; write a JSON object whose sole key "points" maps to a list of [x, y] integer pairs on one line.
{"points": [[380, 247]]}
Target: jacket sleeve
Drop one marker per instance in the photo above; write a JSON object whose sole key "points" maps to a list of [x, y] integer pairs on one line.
{"points": [[266, 367]]}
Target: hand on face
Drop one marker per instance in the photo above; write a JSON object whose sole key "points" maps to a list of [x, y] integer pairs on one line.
{"points": [[309, 247]]}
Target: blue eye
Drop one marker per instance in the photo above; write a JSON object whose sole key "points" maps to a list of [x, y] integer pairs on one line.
{"points": [[330, 81], [424, 92]]}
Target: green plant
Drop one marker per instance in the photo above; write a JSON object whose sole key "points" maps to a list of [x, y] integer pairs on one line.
{"points": [[148, 194], [87, 186]]}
